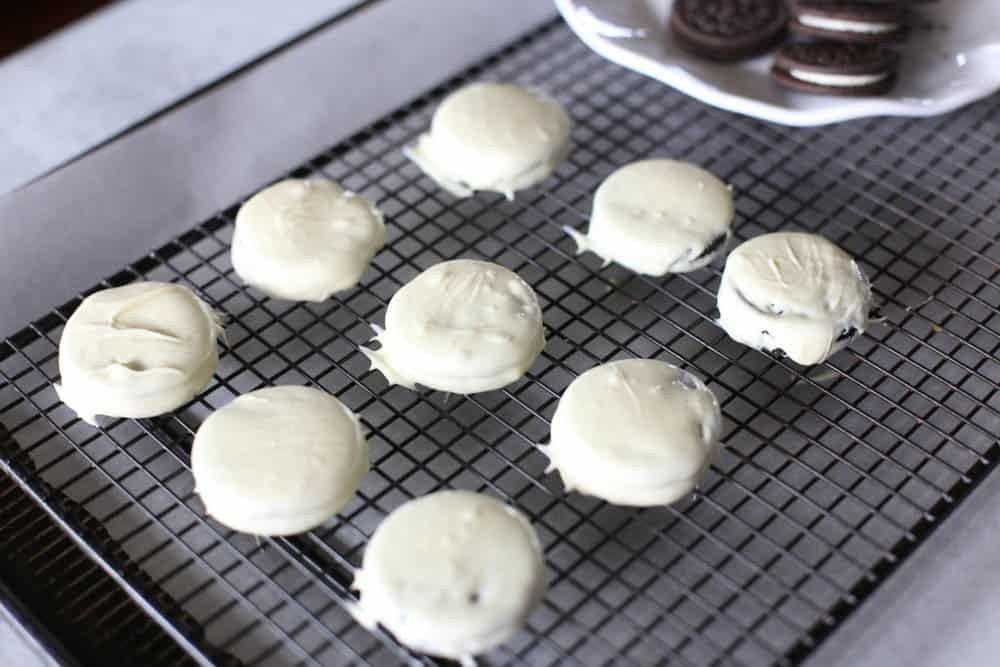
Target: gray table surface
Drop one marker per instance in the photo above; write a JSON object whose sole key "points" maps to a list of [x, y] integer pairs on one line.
{"points": [[939, 608], [101, 75], [18, 647]]}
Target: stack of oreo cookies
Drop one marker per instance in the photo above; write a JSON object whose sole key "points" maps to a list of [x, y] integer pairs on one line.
{"points": [[842, 47], [837, 47]]}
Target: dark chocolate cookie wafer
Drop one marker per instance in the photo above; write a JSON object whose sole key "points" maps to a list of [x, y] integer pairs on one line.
{"points": [[849, 21], [728, 30], [831, 68]]}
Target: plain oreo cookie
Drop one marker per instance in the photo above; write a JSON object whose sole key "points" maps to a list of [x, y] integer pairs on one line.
{"points": [[832, 68], [728, 30], [849, 21]]}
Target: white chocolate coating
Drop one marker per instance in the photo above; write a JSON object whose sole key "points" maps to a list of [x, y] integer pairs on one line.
{"points": [[846, 25], [795, 292], [462, 326], [137, 351], [304, 240], [837, 80], [636, 432], [659, 216], [451, 574], [279, 460], [493, 136]]}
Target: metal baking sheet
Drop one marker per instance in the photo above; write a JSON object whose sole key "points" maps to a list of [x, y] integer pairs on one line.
{"points": [[830, 476]]}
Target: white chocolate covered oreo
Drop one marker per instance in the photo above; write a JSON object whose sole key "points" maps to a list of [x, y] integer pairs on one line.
{"points": [[278, 461], [462, 326], [795, 293], [658, 217], [304, 240], [636, 432], [137, 351], [451, 574], [493, 136]]}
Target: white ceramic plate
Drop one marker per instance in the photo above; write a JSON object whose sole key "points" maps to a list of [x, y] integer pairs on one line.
{"points": [[952, 58]]}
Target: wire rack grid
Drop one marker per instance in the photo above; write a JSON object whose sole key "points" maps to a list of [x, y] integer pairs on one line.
{"points": [[830, 475]]}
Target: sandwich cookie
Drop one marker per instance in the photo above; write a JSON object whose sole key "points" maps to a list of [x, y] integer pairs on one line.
{"points": [[659, 216], [304, 240], [278, 461], [137, 351], [451, 574], [795, 293], [493, 136], [828, 68], [728, 30], [637, 432], [849, 21], [462, 326]]}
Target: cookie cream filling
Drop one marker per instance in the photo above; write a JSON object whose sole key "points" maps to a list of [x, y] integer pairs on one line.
{"points": [[451, 574], [305, 240], [495, 137], [657, 217], [837, 80], [846, 25], [635, 432], [279, 460], [794, 292], [137, 351], [462, 326]]}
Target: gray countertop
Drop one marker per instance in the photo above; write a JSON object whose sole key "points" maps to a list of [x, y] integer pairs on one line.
{"points": [[18, 647], [70, 229], [98, 77]]}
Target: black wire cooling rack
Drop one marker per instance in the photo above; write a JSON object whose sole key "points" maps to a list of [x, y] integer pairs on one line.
{"points": [[830, 475]]}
